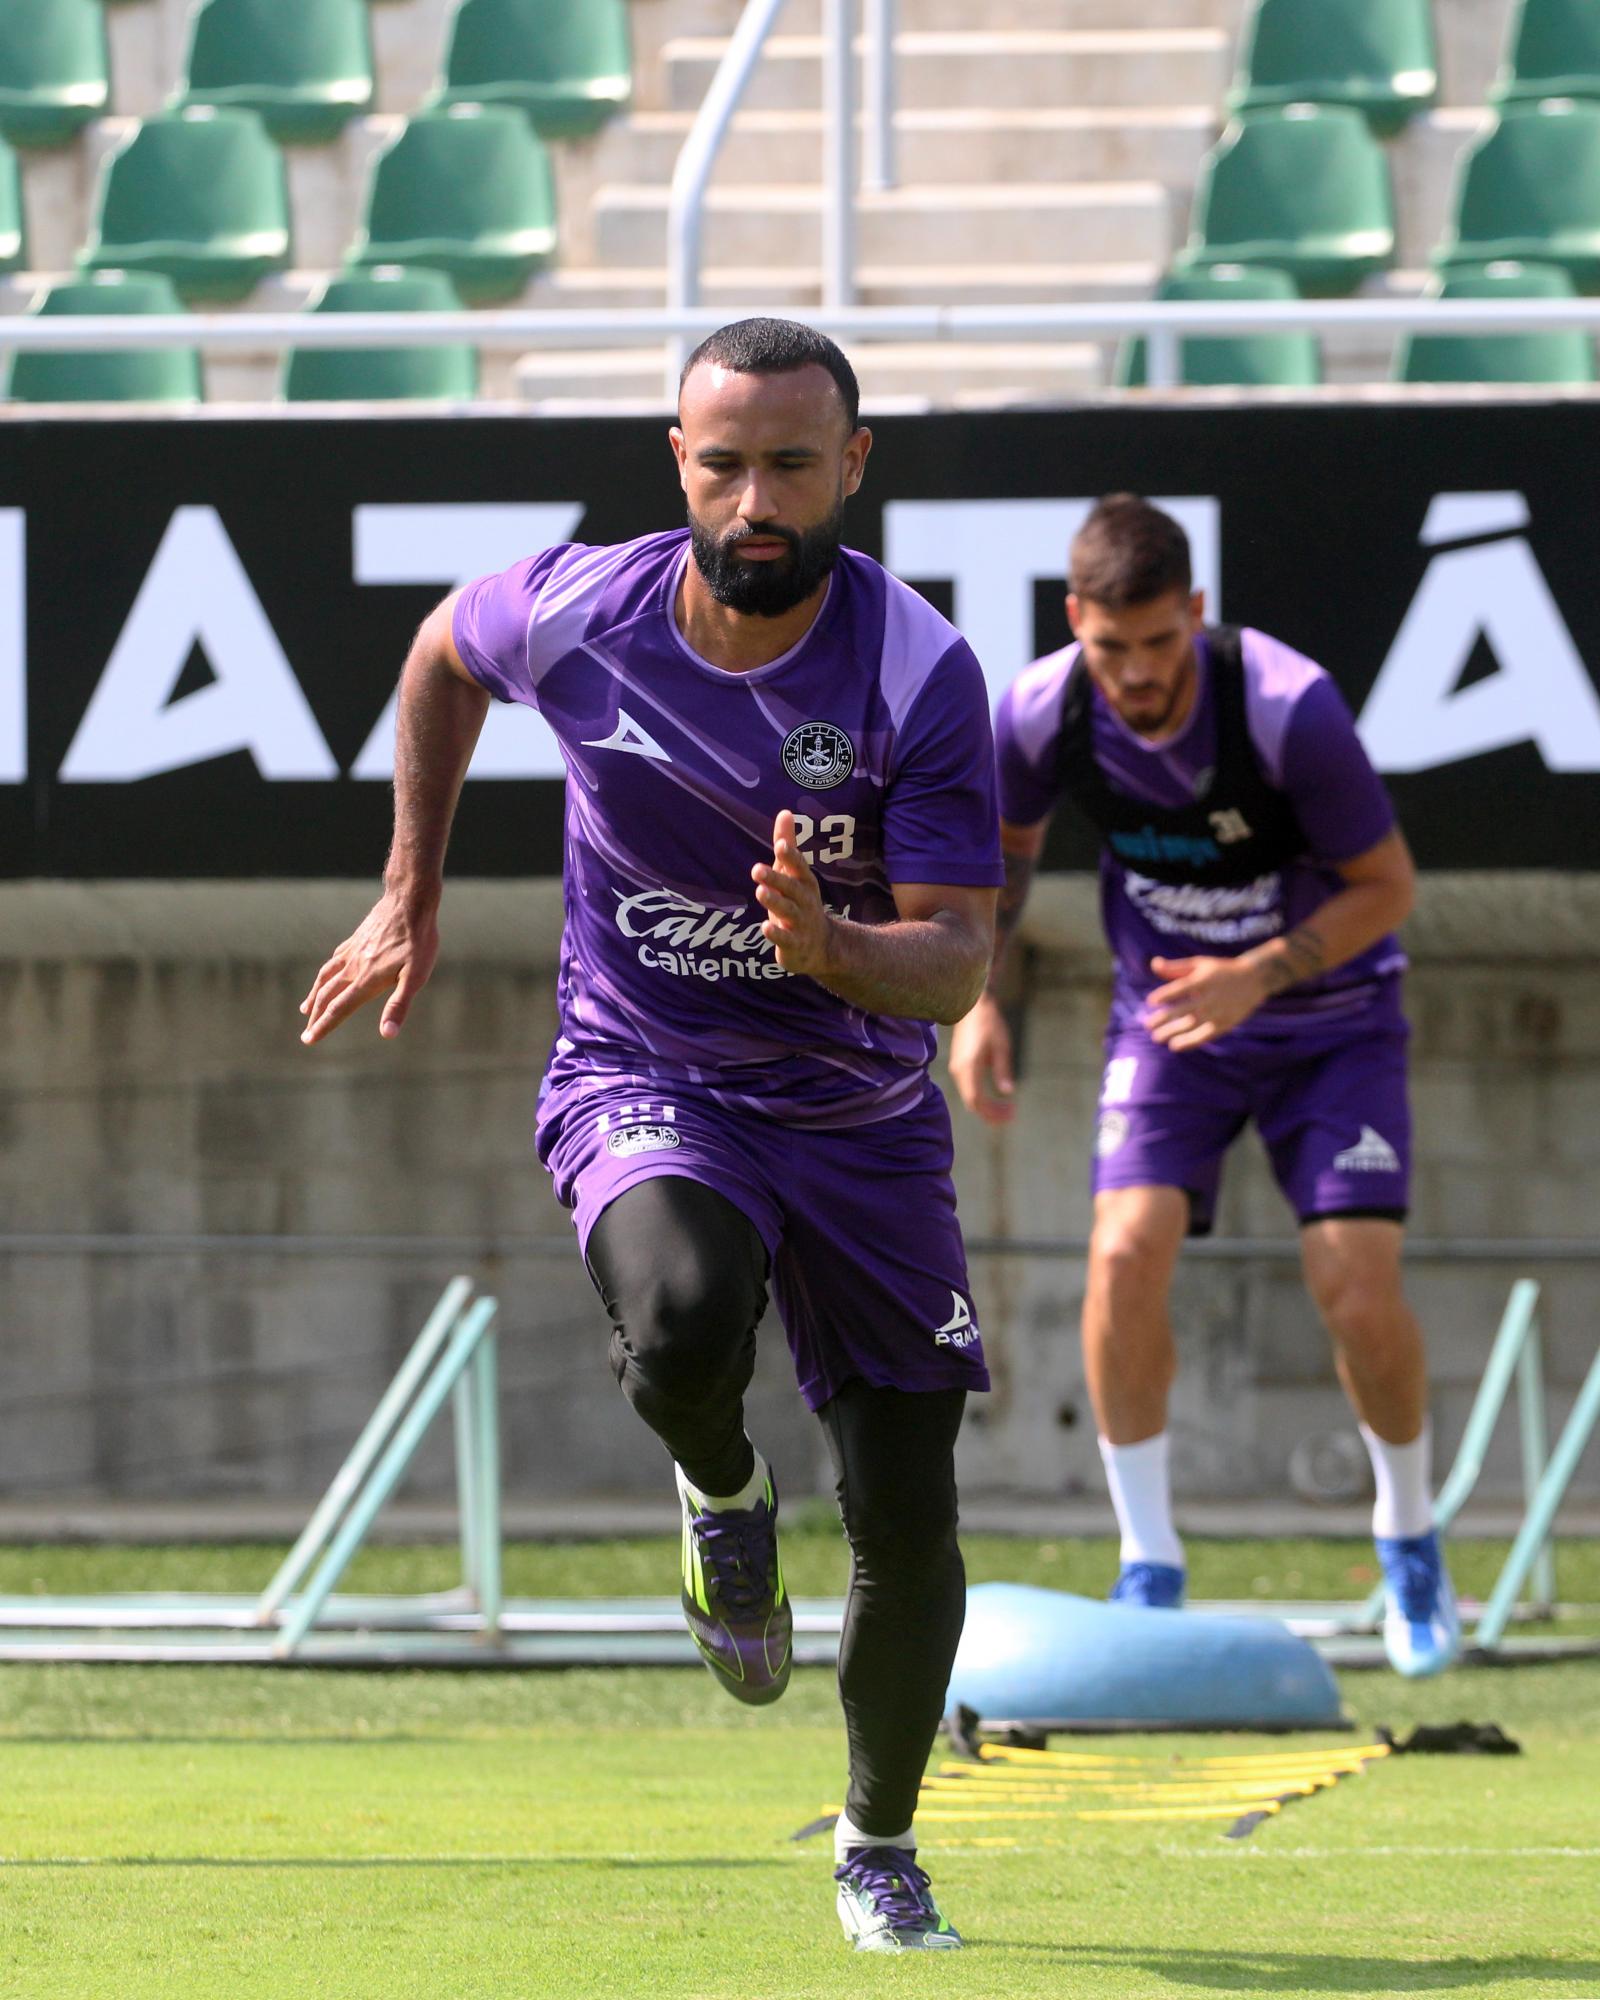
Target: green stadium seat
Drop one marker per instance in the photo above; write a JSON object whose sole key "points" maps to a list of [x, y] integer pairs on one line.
{"points": [[13, 230], [1529, 192], [158, 375], [1305, 189], [465, 190], [1376, 55], [367, 374], [304, 65], [1255, 360], [1553, 51], [568, 67], [199, 194], [1562, 355], [53, 69]]}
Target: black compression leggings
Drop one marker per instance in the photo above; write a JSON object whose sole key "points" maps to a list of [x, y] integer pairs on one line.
{"points": [[682, 1273]]}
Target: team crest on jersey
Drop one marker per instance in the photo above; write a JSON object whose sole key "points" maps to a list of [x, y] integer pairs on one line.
{"points": [[818, 755]]}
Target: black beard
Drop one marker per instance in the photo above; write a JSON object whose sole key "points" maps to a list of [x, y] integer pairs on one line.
{"points": [[767, 589]]}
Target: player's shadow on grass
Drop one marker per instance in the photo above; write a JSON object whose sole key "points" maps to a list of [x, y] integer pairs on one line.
{"points": [[1315, 1973]]}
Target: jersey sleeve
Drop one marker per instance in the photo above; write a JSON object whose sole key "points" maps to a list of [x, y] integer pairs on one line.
{"points": [[494, 624], [1338, 797], [1027, 741], [940, 820]]}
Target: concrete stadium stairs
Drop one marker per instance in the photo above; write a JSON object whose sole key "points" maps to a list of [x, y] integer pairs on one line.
{"points": [[1049, 155]]}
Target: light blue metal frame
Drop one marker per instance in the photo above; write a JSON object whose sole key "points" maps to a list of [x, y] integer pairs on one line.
{"points": [[464, 1368], [455, 1358], [1517, 1355]]}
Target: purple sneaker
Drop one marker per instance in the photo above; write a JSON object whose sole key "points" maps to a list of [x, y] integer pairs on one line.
{"points": [[734, 1602], [886, 1904], [1156, 1586]]}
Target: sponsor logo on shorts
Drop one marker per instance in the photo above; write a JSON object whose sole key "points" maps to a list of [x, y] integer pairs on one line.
{"points": [[642, 1139], [1110, 1133], [960, 1329], [818, 755], [1371, 1154]]}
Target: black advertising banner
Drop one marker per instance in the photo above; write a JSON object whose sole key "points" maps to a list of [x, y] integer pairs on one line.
{"points": [[201, 621]]}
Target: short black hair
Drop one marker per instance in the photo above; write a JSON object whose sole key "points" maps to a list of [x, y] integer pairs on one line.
{"points": [[1129, 552], [777, 347]]}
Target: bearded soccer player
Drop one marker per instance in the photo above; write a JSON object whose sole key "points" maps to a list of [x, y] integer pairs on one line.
{"points": [[782, 863], [1252, 875]]}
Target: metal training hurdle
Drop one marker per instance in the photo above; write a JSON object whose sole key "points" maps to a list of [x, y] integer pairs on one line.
{"points": [[1346, 1634], [299, 1619]]}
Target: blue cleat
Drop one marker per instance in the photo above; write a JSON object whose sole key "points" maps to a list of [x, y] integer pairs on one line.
{"points": [[1421, 1626], [1155, 1586], [733, 1598], [886, 1904]]}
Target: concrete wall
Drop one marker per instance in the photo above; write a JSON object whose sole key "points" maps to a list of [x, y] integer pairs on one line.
{"points": [[151, 1083]]}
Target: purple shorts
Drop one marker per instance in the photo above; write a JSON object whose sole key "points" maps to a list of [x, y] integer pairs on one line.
{"points": [[868, 1268], [1331, 1109]]}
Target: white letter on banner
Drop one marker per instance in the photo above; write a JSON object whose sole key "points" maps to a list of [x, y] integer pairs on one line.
{"points": [[994, 551], [196, 594], [450, 545], [13, 646], [1419, 717]]}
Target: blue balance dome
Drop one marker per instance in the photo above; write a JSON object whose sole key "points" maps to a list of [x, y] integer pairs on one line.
{"points": [[1041, 1656]]}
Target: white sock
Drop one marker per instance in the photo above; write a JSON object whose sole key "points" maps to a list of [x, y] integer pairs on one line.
{"points": [[846, 1835], [729, 1503], [1403, 1474], [1141, 1493]]}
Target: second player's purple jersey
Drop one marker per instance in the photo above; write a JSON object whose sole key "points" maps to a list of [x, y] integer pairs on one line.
{"points": [[1306, 743], [873, 730]]}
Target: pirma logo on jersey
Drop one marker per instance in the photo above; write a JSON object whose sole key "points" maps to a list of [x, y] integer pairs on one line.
{"points": [[818, 755], [960, 1329]]}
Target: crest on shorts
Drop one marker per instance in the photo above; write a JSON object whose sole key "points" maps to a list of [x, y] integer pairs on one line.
{"points": [[633, 1139], [818, 755], [1110, 1133]]}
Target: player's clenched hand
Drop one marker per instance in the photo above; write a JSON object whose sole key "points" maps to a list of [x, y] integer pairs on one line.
{"points": [[391, 951], [980, 1063], [1202, 999], [797, 922]]}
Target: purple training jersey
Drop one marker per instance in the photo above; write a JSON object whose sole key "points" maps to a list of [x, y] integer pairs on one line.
{"points": [[873, 730], [1305, 739]]}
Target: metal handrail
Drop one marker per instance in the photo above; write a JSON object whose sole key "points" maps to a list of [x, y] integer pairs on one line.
{"points": [[839, 155], [692, 173], [880, 170], [1162, 323]]}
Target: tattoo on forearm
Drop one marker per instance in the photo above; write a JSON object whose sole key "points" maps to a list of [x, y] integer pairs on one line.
{"points": [[1303, 956], [1020, 871]]}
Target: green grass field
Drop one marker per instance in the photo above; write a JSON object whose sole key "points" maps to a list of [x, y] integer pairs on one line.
{"points": [[192, 1833]]}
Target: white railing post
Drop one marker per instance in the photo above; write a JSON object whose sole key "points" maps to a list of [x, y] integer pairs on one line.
{"points": [[1162, 364], [881, 169], [839, 156], [691, 174]]}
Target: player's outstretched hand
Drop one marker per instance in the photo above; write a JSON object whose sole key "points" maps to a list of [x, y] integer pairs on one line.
{"points": [[981, 1063], [1202, 999], [391, 951], [797, 924]]}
